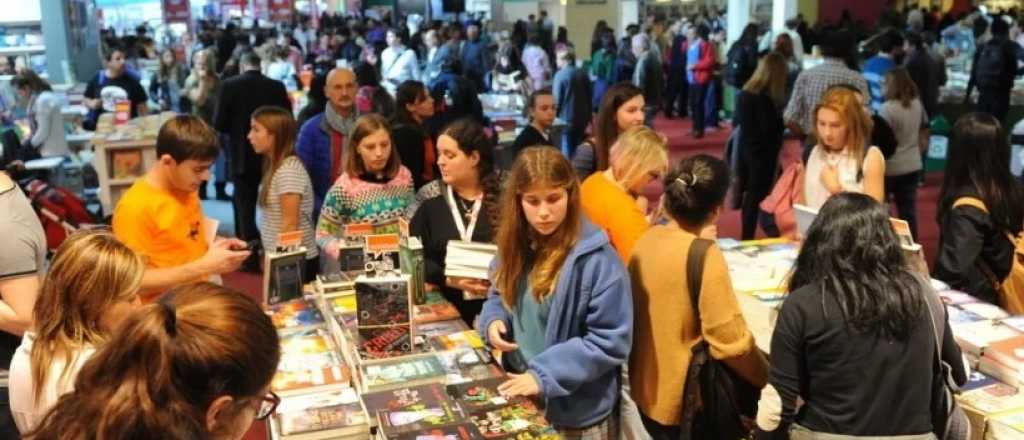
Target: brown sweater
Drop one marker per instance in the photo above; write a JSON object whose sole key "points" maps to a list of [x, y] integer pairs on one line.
{"points": [[664, 330]]}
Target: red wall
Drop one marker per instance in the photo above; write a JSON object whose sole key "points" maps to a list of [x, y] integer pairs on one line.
{"points": [[866, 10]]}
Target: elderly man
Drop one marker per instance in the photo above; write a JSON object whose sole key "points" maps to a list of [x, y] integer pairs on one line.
{"points": [[322, 144]]}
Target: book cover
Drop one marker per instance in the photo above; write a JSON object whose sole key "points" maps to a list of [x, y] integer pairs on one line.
{"points": [[480, 395], [406, 398], [456, 341], [517, 420], [398, 371], [440, 328], [976, 336], [411, 258], [311, 378], [469, 365], [985, 310], [126, 164], [310, 349], [960, 316], [993, 399], [462, 431], [339, 409], [383, 300], [1009, 352], [383, 342], [977, 380], [953, 297], [341, 304], [439, 311], [282, 279], [408, 420], [295, 313]]}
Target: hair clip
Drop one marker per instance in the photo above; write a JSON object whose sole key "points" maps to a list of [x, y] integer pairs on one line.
{"points": [[692, 182]]}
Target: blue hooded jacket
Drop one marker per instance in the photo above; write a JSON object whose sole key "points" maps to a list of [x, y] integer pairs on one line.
{"points": [[589, 333]]}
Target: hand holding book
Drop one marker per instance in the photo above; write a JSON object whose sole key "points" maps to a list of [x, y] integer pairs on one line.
{"points": [[476, 287]]}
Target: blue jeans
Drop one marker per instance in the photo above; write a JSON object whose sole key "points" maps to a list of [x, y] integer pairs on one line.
{"points": [[902, 190], [711, 104]]}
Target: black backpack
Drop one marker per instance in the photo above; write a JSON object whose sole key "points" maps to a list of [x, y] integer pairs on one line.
{"points": [[740, 63], [991, 67]]}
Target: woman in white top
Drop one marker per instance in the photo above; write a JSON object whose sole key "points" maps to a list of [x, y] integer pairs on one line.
{"points": [[397, 63], [842, 161], [44, 114], [281, 69], [905, 114], [286, 192], [91, 287]]}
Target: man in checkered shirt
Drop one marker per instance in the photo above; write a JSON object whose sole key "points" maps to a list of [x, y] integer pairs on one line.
{"points": [[813, 82]]}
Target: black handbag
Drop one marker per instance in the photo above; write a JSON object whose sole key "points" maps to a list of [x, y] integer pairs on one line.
{"points": [[717, 403], [949, 422]]}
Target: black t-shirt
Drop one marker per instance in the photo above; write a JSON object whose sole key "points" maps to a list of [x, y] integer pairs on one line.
{"points": [[109, 90]]}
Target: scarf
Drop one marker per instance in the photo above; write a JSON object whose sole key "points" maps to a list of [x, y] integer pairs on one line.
{"points": [[338, 123]]}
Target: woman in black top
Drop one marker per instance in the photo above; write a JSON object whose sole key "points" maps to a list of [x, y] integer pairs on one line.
{"points": [[974, 250], [854, 339], [541, 109], [759, 116], [412, 139], [463, 207]]}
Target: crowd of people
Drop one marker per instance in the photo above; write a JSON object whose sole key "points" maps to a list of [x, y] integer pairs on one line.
{"points": [[124, 333]]}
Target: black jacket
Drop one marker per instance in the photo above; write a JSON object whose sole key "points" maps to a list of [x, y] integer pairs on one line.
{"points": [[762, 124], [239, 97], [967, 240], [409, 141]]}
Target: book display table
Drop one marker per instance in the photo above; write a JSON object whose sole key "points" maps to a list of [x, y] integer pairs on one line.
{"points": [[123, 153]]}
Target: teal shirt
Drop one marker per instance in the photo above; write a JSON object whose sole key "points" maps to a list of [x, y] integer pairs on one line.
{"points": [[530, 322]]}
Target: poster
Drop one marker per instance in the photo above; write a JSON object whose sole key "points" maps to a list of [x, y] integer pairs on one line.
{"points": [[177, 11], [281, 10]]}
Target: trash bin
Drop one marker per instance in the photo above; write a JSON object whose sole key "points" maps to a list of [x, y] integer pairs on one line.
{"points": [[938, 144]]}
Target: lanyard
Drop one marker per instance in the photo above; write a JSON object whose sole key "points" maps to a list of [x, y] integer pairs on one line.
{"points": [[465, 233]]}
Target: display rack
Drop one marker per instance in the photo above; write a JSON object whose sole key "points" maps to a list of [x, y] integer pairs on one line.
{"points": [[123, 154]]}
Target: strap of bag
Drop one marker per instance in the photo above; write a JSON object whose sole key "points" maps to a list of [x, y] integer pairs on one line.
{"points": [[970, 201], [936, 314], [985, 270], [695, 273]]}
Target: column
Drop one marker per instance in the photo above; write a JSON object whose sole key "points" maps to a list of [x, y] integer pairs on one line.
{"points": [[736, 18], [782, 10]]}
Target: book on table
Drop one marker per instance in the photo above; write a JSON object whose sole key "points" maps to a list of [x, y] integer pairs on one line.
{"points": [[297, 313], [974, 337], [430, 395], [440, 328], [401, 372], [468, 365], [1008, 425], [325, 415], [310, 361]]}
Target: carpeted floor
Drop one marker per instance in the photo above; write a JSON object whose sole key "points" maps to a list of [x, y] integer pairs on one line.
{"points": [[681, 145]]}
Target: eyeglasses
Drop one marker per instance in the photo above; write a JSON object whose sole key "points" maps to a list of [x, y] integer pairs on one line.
{"points": [[266, 405]]}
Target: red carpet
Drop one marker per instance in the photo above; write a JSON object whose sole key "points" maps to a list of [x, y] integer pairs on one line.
{"points": [[682, 145]]}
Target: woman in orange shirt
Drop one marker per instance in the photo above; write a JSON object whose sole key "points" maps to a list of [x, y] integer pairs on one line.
{"points": [[611, 198]]}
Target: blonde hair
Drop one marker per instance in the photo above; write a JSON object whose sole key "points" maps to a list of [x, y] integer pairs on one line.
{"points": [[637, 152], [846, 103], [769, 77], [91, 272], [535, 167]]}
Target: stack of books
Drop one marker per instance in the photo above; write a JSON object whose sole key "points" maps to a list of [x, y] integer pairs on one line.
{"points": [[384, 316], [469, 259]]}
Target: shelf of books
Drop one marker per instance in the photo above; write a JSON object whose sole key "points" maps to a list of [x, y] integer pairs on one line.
{"points": [[361, 358], [991, 340], [123, 153]]}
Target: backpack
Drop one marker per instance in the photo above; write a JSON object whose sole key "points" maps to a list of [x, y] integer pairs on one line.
{"points": [[738, 66], [1010, 291], [60, 211], [991, 67]]}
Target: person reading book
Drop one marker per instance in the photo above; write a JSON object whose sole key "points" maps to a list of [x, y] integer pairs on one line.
{"points": [[842, 161], [664, 315], [197, 364], [560, 308], [286, 192], [160, 216], [540, 108], [856, 314], [374, 187], [465, 209], [611, 198], [91, 287]]}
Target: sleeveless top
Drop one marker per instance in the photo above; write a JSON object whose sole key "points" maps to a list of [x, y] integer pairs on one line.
{"points": [[815, 194]]}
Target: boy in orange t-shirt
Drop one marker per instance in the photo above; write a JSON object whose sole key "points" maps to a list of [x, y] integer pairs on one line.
{"points": [[160, 216]]}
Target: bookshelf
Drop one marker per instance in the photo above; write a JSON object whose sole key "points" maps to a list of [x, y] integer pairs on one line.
{"points": [[123, 154]]}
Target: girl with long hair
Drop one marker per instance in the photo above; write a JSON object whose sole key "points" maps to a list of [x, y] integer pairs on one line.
{"points": [[974, 251], [92, 285], [196, 364], [463, 206], [413, 140], [759, 115], [170, 80], [286, 192], [44, 115], [904, 112], [612, 198], [621, 108], [856, 314], [374, 187], [201, 89], [842, 160], [665, 320], [560, 307]]}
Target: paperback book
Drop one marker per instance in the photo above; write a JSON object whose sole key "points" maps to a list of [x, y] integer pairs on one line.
{"points": [[383, 300], [406, 398], [462, 431], [296, 313], [411, 257], [519, 419], [402, 372], [468, 365], [311, 349], [456, 341], [433, 312], [332, 414], [412, 420], [440, 328]]}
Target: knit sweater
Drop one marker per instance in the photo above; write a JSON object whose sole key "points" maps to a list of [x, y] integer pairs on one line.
{"points": [[664, 318], [354, 200]]}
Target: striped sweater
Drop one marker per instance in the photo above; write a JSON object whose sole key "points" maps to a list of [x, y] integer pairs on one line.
{"points": [[354, 200]]}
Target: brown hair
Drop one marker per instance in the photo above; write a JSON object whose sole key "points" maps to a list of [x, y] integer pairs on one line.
{"points": [[769, 77], [280, 123], [159, 373], [33, 82], [185, 137], [518, 242], [899, 86], [858, 124], [90, 272], [606, 127], [365, 126]]}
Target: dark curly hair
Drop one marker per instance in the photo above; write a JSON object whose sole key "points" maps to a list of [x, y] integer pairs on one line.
{"points": [[471, 137]]}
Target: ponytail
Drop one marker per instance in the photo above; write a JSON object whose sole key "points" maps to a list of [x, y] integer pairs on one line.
{"points": [[695, 188], [157, 377]]}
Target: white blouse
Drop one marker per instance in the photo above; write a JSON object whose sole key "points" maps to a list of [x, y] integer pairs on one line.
{"points": [[26, 411], [815, 193]]}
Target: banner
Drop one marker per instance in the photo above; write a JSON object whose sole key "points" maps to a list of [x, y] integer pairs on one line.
{"points": [[281, 10], [177, 11]]}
